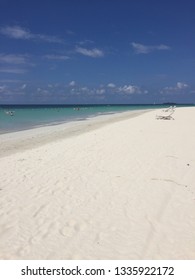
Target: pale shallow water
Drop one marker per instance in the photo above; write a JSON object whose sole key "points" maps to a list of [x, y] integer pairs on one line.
{"points": [[22, 117]]}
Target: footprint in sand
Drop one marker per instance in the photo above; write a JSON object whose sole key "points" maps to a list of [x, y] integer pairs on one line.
{"points": [[71, 228]]}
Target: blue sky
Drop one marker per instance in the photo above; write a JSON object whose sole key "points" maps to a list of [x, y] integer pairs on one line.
{"points": [[97, 51]]}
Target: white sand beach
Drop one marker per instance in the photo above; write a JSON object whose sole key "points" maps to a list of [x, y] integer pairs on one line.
{"points": [[120, 189]]}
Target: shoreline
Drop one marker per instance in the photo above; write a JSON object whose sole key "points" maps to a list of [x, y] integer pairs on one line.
{"points": [[123, 191], [26, 139], [29, 117]]}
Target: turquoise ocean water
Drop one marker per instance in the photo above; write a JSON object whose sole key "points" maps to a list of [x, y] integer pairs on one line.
{"points": [[21, 117]]}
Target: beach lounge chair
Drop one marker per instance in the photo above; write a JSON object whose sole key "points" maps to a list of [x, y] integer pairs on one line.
{"points": [[170, 109], [165, 115]]}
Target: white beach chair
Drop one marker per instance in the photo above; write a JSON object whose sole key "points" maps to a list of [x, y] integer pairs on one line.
{"points": [[166, 115], [167, 109], [170, 109]]}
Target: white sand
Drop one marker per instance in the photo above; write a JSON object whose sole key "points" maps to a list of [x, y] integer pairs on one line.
{"points": [[124, 190]]}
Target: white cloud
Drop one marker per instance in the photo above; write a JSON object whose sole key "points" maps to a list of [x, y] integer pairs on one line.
{"points": [[130, 89], [18, 32], [111, 85], [13, 70], [12, 81], [90, 52], [12, 63], [84, 89], [46, 38], [100, 91], [145, 49], [86, 42], [56, 57], [13, 59], [15, 32], [72, 83], [180, 87]]}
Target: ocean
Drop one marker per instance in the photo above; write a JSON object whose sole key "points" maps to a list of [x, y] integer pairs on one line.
{"points": [[22, 117]]}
